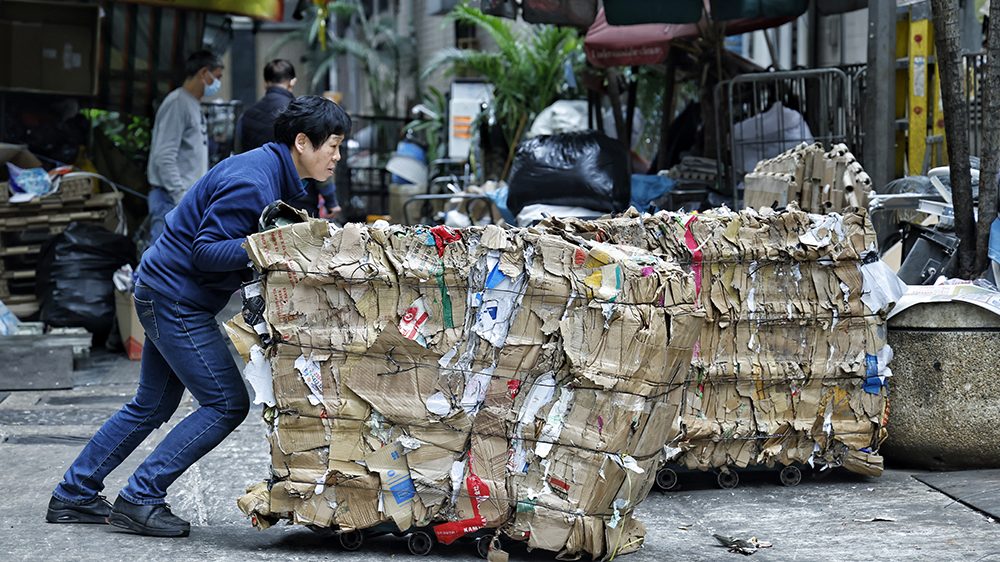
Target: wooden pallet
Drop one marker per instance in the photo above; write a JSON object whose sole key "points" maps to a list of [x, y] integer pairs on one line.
{"points": [[69, 190], [8, 278], [39, 207], [49, 221], [24, 227]]}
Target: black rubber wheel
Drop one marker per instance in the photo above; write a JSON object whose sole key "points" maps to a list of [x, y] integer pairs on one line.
{"points": [[419, 543], [666, 479], [790, 476], [352, 540], [483, 546], [728, 479]]}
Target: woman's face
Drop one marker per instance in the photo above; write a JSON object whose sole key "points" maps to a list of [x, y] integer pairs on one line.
{"points": [[319, 162]]}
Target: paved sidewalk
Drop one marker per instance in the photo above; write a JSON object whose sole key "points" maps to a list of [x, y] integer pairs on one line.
{"points": [[819, 520]]}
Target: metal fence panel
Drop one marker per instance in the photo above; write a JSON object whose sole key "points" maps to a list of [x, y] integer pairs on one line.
{"points": [[761, 115], [362, 180]]}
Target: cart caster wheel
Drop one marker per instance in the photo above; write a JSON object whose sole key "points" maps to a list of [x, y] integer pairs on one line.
{"points": [[351, 540], [666, 479], [728, 480], [419, 543], [483, 546], [790, 476]]}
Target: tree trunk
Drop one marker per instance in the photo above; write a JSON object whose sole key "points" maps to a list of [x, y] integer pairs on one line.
{"points": [[947, 41], [989, 167]]}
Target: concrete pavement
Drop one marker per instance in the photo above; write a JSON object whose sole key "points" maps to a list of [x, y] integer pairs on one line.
{"points": [[830, 518]]}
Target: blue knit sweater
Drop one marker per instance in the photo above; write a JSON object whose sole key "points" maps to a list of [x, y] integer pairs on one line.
{"points": [[200, 260]]}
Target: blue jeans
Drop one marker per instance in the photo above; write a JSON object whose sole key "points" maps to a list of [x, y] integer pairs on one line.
{"points": [[184, 349], [160, 203]]}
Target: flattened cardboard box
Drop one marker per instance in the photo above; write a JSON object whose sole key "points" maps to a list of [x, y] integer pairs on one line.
{"points": [[787, 367], [438, 370]]}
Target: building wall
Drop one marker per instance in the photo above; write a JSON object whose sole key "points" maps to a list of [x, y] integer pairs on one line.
{"points": [[843, 39], [432, 35]]}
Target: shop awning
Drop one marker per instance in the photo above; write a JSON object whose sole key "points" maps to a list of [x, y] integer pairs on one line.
{"points": [[270, 10], [631, 45], [636, 12]]}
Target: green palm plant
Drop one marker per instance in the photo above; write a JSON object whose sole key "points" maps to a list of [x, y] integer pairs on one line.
{"points": [[431, 127], [527, 70]]}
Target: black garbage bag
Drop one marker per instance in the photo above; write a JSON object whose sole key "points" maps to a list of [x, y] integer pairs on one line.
{"points": [[73, 278], [581, 169]]}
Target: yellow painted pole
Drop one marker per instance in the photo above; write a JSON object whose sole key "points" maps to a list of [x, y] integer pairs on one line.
{"points": [[921, 46], [902, 88]]}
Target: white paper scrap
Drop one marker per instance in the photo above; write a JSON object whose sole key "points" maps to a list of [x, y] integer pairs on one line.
{"points": [[309, 372], [258, 374], [438, 404], [881, 286]]}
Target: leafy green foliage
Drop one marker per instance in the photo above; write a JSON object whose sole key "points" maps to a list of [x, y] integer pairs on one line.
{"points": [[129, 133], [527, 69], [385, 56], [431, 129]]}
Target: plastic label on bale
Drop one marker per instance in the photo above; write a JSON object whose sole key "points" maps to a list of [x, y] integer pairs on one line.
{"points": [[397, 486], [448, 533]]}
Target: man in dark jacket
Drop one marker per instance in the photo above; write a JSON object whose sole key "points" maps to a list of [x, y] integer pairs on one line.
{"points": [[185, 279], [256, 127]]}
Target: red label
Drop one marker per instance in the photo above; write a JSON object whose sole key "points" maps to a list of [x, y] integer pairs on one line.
{"points": [[448, 533], [559, 483], [513, 386]]}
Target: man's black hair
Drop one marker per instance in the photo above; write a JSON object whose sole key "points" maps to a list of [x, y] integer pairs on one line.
{"points": [[278, 71], [316, 116], [201, 59]]}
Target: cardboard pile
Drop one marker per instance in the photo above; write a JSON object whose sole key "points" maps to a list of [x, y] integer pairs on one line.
{"points": [[820, 182], [791, 364], [464, 381]]}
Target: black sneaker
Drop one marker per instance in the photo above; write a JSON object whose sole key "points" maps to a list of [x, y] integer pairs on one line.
{"points": [[94, 511], [152, 520]]}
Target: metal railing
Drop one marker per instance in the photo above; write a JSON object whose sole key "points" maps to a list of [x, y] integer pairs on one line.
{"points": [[362, 180]]}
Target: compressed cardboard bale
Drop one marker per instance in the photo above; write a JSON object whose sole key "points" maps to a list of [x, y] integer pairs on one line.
{"points": [[791, 364], [818, 181], [469, 379]]}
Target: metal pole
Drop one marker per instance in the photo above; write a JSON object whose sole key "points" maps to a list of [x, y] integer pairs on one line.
{"points": [[879, 145]]}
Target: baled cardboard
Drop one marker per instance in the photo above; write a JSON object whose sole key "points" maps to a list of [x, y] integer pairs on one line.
{"points": [[398, 493], [781, 368], [511, 371]]}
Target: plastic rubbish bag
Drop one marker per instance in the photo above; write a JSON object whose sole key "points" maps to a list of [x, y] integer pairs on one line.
{"points": [[74, 278], [8, 322], [26, 184], [583, 169], [646, 189]]}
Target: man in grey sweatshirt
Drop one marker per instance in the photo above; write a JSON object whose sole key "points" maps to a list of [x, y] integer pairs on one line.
{"points": [[178, 154]]}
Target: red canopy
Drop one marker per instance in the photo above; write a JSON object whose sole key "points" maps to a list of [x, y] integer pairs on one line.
{"points": [[649, 43]]}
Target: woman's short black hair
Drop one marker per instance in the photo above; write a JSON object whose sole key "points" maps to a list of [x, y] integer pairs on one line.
{"points": [[316, 116]]}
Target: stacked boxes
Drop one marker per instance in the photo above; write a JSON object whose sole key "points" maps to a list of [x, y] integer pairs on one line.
{"points": [[465, 381], [791, 364], [818, 181]]}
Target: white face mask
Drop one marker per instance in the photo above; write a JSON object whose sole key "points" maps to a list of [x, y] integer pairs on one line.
{"points": [[213, 88]]}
